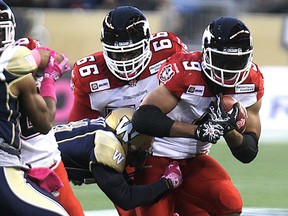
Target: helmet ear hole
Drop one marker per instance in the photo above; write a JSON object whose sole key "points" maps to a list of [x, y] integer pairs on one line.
{"points": [[205, 44]]}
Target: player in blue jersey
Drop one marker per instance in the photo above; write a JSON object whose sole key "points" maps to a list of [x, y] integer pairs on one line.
{"points": [[99, 149], [20, 195]]}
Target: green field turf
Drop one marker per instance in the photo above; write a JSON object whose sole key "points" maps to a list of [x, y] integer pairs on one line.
{"points": [[262, 183]]}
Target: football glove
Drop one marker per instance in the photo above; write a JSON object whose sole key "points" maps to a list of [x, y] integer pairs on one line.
{"points": [[173, 174], [45, 178], [209, 131], [218, 115], [54, 69]]}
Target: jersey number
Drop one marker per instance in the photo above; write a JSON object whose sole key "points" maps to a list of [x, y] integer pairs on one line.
{"points": [[192, 65], [88, 69], [162, 44]]}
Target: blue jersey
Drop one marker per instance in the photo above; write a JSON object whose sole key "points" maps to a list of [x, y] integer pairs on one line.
{"points": [[15, 63], [76, 143], [9, 128]]}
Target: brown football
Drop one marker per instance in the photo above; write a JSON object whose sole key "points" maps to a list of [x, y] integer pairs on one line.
{"points": [[228, 102]]}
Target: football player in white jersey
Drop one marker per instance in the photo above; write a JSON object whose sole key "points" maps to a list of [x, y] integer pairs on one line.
{"points": [[100, 149], [21, 193], [178, 113], [41, 150], [125, 71]]}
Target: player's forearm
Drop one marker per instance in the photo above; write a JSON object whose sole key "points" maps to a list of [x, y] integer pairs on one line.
{"points": [[233, 139], [150, 120], [127, 196], [51, 105], [134, 196], [182, 129], [247, 150]]}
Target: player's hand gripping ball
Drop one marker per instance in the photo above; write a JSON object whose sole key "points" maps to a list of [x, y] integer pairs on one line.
{"points": [[241, 118]]}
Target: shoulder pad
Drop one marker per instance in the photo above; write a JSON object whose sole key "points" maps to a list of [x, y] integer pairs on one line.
{"points": [[109, 151], [28, 42], [18, 60]]}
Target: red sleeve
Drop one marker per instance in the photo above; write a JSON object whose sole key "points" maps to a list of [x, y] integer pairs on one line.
{"points": [[81, 107], [172, 75], [28, 42], [256, 77], [84, 72], [260, 82], [180, 71], [180, 46], [80, 111]]}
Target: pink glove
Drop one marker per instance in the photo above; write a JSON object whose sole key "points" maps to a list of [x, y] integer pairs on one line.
{"points": [[174, 174], [54, 69], [45, 178]]}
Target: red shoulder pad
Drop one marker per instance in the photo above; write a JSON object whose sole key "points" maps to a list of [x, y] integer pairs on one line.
{"points": [[28, 42]]}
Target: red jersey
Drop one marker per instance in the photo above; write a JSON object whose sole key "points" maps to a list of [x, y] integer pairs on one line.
{"points": [[97, 91], [182, 75]]}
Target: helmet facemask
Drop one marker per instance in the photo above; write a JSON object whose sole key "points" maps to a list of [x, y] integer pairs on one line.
{"points": [[227, 69], [7, 27], [127, 62], [137, 156]]}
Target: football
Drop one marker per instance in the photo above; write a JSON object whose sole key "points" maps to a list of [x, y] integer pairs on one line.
{"points": [[228, 102]]}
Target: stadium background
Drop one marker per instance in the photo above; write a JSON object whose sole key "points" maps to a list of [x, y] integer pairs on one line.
{"points": [[76, 31]]}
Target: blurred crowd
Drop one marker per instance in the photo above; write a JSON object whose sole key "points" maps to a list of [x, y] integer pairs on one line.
{"points": [[259, 6], [84, 4]]}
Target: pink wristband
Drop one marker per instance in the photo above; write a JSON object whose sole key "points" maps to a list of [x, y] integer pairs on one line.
{"points": [[47, 88]]}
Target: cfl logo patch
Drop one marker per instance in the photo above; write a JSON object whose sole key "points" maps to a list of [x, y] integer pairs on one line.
{"points": [[166, 73]]}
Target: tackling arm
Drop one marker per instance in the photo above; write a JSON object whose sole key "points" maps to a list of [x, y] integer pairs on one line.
{"points": [[126, 196], [150, 118]]}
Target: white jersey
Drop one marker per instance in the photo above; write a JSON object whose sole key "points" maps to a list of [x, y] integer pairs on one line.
{"points": [[123, 96], [41, 150]]}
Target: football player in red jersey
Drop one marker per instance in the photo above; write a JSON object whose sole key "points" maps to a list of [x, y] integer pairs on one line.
{"points": [[126, 70], [178, 113]]}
